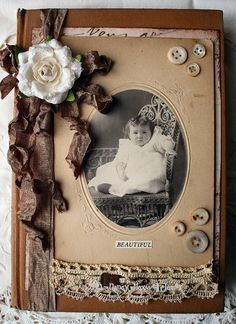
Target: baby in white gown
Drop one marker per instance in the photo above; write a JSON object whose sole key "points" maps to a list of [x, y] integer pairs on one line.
{"points": [[140, 163]]}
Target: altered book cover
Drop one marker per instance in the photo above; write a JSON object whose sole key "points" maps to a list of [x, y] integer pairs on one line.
{"points": [[117, 149]]}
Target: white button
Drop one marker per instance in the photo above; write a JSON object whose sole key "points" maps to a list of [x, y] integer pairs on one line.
{"points": [[200, 216], [199, 50], [197, 241], [193, 69], [179, 228], [177, 55]]}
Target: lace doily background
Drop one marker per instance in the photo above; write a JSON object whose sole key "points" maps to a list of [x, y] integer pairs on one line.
{"points": [[7, 34]]}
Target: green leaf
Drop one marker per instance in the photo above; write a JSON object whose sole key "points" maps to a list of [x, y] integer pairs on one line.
{"points": [[70, 96], [17, 50], [21, 95], [78, 57], [48, 38]]}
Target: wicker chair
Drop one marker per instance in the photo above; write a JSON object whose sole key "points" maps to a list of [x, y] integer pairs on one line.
{"points": [[141, 209]]}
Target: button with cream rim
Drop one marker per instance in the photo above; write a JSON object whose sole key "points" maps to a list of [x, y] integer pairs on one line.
{"points": [[193, 69], [197, 241], [179, 228], [177, 55], [199, 50], [200, 216]]}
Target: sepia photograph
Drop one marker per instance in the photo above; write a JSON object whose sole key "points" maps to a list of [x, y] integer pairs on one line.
{"points": [[136, 167]]}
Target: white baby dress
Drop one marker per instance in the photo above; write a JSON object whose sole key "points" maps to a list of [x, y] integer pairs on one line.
{"points": [[145, 166]]}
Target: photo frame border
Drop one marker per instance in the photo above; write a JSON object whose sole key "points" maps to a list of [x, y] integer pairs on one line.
{"points": [[132, 18]]}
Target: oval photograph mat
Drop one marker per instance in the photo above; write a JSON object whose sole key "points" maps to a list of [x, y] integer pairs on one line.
{"points": [[155, 172]]}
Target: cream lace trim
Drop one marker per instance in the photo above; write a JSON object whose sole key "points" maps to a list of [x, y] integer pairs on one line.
{"points": [[137, 284]]}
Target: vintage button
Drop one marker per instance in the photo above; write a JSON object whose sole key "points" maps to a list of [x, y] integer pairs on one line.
{"points": [[199, 50], [197, 241], [193, 69], [200, 216], [177, 55], [179, 228]]}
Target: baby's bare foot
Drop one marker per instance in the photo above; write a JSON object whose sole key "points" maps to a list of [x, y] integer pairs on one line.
{"points": [[104, 187]]}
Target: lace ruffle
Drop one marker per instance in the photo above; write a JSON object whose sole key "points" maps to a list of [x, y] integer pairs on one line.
{"points": [[135, 284]]}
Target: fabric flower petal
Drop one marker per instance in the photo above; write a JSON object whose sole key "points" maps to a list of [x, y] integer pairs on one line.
{"points": [[77, 68], [39, 90], [54, 44], [58, 98], [63, 56], [39, 52], [23, 58], [42, 92], [66, 81], [26, 72], [26, 88]]}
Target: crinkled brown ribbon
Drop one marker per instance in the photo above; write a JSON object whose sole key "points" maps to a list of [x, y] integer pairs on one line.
{"points": [[32, 126], [30, 152], [52, 21], [9, 64], [33, 117], [91, 94]]}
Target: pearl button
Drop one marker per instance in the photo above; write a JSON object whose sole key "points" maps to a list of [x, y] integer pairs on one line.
{"points": [[177, 55], [179, 228], [193, 69], [199, 50], [200, 216], [197, 241]]}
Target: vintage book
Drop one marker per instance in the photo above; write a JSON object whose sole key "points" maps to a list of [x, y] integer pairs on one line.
{"points": [[143, 222]]}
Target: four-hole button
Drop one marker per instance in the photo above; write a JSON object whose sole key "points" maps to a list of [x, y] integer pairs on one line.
{"points": [[200, 216], [177, 55], [193, 69], [199, 50], [197, 241]]}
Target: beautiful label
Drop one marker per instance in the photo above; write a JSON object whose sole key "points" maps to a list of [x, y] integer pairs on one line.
{"points": [[133, 244]]}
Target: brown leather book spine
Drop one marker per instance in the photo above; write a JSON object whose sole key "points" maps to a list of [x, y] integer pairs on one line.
{"points": [[18, 292]]}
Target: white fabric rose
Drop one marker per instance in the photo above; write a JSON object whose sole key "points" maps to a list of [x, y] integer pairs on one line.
{"points": [[48, 71]]}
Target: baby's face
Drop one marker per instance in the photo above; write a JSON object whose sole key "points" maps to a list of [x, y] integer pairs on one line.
{"points": [[140, 135]]}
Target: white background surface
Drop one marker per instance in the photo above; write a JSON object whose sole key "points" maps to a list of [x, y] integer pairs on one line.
{"points": [[7, 34]]}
